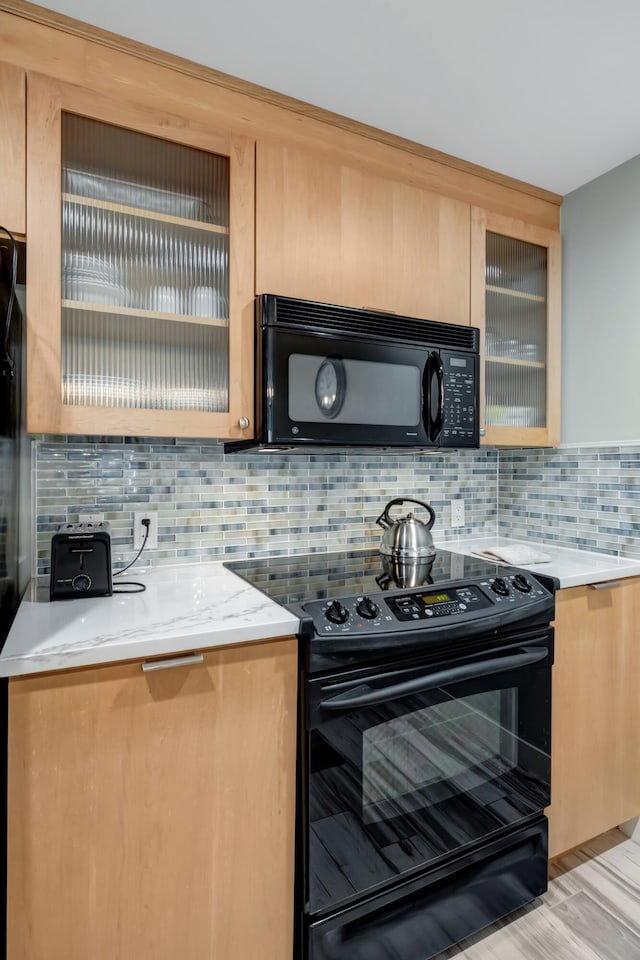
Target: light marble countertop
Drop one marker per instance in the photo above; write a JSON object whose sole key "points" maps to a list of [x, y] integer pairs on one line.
{"points": [[196, 606], [184, 608], [573, 568]]}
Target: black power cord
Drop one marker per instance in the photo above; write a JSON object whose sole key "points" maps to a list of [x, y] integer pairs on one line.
{"points": [[146, 523], [7, 361]]}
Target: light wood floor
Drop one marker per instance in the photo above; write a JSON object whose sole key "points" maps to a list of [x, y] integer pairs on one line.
{"points": [[590, 912]]}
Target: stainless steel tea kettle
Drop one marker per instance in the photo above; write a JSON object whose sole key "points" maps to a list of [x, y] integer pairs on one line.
{"points": [[406, 537]]}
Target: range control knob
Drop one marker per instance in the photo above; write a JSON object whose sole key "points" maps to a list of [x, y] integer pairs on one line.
{"points": [[337, 613], [368, 609], [521, 583], [500, 586]]}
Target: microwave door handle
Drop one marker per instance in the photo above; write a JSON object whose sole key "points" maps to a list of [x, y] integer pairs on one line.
{"points": [[435, 366], [470, 671], [440, 376]]}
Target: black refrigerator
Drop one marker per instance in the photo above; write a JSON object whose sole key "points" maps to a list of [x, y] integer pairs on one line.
{"points": [[15, 493]]}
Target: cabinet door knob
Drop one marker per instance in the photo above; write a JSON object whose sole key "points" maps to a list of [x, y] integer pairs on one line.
{"points": [[482, 431], [244, 422]]}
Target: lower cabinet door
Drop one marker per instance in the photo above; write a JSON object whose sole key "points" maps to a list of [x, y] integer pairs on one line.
{"points": [[595, 747], [151, 813]]}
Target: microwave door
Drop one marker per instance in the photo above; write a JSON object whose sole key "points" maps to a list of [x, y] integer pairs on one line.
{"points": [[434, 396], [344, 391]]}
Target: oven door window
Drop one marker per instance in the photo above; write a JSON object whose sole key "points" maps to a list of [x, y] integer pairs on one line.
{"points": [[396, 786], [419, 759]]}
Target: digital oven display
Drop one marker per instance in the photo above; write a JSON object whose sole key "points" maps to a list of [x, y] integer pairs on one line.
{"points": [[436, 598]]}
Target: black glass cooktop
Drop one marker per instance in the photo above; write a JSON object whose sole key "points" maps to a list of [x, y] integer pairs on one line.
{"points": [[296, 579]]}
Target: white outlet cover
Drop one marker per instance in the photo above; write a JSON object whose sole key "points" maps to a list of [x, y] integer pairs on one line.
{"points": [[457, 513], [138, 529]]}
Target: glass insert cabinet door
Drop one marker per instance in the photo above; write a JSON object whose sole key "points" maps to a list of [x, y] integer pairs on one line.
{"points": [[140, 314], [515, 300]]}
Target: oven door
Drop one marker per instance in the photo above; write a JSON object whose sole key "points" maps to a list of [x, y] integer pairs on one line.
{"points": [[333, 390], [406, 767]]}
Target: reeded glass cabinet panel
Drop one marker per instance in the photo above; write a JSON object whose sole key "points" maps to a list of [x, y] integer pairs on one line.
{"points": [[141, 255], [515, 332], [145, 271], [515, 300]]}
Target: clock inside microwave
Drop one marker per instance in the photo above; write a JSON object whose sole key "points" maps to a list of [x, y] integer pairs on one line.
{"points": [[330, 387]]}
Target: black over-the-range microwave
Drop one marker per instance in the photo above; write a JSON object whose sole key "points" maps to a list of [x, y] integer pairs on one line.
{"points": [[330, 376]]}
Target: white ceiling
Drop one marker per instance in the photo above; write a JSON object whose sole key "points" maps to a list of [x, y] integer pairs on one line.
{"points": [[547, 92]]}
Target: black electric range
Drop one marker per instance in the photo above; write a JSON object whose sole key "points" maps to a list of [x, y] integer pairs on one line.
{"points": [[424, 747], [358, 605]]}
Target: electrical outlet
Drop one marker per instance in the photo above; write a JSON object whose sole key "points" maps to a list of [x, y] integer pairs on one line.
{"points": [[139, 529], [90, 517], [457, 513]]}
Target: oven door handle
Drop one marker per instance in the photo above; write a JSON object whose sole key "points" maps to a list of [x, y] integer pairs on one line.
{"points": [[469, 671]]}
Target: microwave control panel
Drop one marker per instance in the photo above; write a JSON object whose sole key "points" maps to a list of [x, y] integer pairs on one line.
{"points": [[461, 398]]}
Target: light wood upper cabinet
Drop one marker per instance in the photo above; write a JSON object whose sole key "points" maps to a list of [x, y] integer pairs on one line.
{"points": [[515, 300], [152, 814], [595, 750], [12, 148], [141, 269], [337, 233]]}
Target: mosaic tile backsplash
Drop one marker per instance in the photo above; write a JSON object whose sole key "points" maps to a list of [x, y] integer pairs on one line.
{"points": [[580, 497], [214, 507]]}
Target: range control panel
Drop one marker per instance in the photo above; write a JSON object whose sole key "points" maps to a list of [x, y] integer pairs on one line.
{"points": [[383, 613], [444, 603]]}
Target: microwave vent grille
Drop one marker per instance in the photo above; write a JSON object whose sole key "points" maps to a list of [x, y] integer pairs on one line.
{"points": [[366, 323]]}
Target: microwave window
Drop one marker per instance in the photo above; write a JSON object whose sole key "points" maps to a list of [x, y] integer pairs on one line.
{"points": [[353, 391]]}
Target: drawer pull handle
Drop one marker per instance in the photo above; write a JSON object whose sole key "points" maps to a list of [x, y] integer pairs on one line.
{"points": [[607, 585], [148, 666]]}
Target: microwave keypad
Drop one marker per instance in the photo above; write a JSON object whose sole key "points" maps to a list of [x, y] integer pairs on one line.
{"points": [[460, 391]]}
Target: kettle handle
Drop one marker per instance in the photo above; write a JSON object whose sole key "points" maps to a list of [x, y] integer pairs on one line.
{"points": [[385, 520]]}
